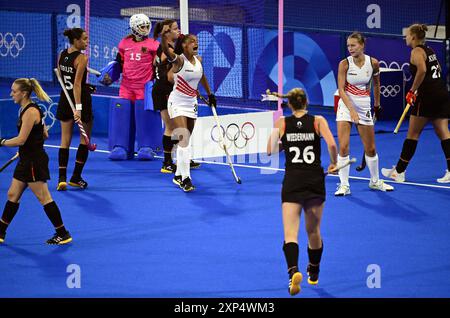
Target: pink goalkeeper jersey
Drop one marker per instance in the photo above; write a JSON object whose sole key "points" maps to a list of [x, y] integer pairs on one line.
{"points": [[137, 60]]}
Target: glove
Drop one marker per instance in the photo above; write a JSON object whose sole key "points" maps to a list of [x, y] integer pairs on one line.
{"points": [[2, 141], [377, 111], [91, 88], [110, 73], [411, 97], [212, 100]]}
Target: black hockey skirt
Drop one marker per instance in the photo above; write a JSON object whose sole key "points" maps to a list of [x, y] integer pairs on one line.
{"points": [[32, 168], [65, 113], [160, 96], [436, 105], [302, 184]]}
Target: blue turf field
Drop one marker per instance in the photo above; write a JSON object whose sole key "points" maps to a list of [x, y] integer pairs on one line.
{"points": [[137, 235]]}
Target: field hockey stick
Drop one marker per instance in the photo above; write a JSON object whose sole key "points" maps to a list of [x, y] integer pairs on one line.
{"points": [[92, 71], [362, 166], [353, 160], [216, 118], [10, 161], [405, 111], [268, 92], [90, 146]]}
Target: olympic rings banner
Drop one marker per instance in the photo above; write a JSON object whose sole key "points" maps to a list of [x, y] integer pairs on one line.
{"points": [[394, 54], [244, 133], [25, 48]]}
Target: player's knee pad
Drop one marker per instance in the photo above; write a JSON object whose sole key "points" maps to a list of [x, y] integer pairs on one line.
{"points": [[121, 125], [408, 150], [149, 128]]}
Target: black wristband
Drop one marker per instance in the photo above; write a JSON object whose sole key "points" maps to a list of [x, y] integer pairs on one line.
{"points": [[2, 142]]}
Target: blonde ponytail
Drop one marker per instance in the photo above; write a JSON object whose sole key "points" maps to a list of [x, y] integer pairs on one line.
{"points": [[37, 88], [30, 85]]}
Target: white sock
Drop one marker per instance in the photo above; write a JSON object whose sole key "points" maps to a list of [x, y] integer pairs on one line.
{"points": [[185, 162], [344, 172], [188, 155], [372, 164], [180, 154]]}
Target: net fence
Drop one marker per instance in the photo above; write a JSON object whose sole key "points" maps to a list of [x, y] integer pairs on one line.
{"points": [[238, 40]]}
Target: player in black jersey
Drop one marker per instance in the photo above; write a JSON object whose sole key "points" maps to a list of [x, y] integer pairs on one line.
{"points": [[161, 91], [303, 184], [162, 88], [72, 66], [32, 168], [432, 103]]}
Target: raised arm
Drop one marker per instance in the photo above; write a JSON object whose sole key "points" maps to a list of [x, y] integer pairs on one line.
{"points": [[168, 51]]}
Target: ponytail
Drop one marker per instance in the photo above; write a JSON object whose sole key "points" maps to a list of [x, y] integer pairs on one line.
{"points": [[157, 30], [37, 89], [30, 85]]}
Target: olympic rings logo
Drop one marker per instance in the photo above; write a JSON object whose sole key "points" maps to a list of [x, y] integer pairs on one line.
{"points": [[396, 66], [390, 90], [239, 136], [49, 116], [10, 44]]}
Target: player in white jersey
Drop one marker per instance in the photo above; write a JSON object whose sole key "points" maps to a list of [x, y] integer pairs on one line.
{"points": [[182, 105], [355, 76]]}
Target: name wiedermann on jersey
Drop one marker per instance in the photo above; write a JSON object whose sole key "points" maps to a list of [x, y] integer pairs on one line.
{"points": [[300, 137], [67, 69]]}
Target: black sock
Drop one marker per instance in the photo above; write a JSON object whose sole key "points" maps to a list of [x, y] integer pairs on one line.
{"points": [[82, 155], [315, 256], [53, 213], [446, 148], [291, 253], [167, 146], [175, 140], [408, 150], [63, 158], [9, 212]]}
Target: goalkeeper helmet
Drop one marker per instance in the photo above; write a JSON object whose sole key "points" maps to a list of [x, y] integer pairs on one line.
{"points": [[140, 25]]}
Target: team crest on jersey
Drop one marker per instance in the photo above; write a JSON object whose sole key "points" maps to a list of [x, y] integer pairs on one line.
{"points": [[144, 49], [66, 58], [299, 124]]}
